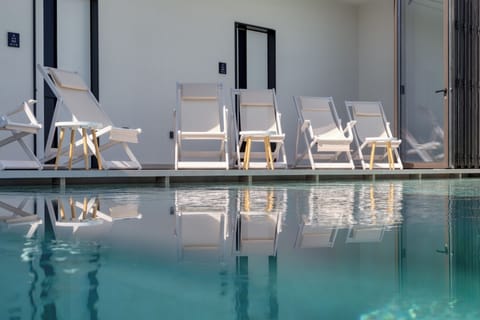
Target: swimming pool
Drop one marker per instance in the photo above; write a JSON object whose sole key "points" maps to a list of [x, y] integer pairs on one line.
{"points": [[349, 250]]}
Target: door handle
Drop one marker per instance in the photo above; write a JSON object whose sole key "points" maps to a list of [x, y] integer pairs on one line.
{"points": [[444, 91]]}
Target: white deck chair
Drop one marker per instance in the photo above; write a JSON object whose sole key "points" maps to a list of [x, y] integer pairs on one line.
{"points": [[201, 221], [259, 222], [371, 128], [257, 118], [20, 123], [201, 118], [329, 208], [321, 128], [74, 95]]}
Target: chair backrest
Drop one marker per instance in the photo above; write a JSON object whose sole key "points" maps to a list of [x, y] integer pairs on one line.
{"points": [[199, 107], [76, 96], [371, 121], [321, 113], [258, 111]]}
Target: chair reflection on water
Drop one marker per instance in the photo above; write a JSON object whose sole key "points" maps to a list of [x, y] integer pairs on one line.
{"points": [[202, 223], [18, 210], [329, 208], [77, 211], [379, 209], [259, 221]]}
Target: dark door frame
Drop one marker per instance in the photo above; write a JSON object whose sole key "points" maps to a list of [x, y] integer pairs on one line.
{"points": [[50, 57], [241, 54]]}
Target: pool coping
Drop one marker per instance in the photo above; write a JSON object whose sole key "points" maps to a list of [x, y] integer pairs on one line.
{"points": [[170, 176]]}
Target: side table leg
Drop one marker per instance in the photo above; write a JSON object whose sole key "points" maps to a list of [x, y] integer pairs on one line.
{"points": [[59, 147], [85, 147], [268, 153], [246, 154], [372, 155], [390, 156], [70, 152]]}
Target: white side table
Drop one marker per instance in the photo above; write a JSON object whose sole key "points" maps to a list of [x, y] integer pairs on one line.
{"points": [[73, 126]]}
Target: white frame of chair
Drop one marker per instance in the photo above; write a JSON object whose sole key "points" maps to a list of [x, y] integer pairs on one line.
{"points": [[18, 131], [278, 156], [327, 148], [121, 136], [220, 135], [388, 141]]}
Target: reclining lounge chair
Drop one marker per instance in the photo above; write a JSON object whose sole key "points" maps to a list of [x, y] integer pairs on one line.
{"points": [[201, 119], [321, 128], [74, 95], [372, 130], [258, 120]]}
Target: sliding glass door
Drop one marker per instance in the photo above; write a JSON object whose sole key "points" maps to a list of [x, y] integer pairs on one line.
{"points": [[423, 82]]}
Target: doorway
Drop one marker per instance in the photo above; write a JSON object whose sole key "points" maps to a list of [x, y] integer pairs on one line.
{"points": [[255, 63], [424, 82]]}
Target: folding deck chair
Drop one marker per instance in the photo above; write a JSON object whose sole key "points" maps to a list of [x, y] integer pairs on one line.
{"points": [[201, 123], [82, 107], [321, 128], [202, 223], [371, 131], [20, 123], [258, 120]]}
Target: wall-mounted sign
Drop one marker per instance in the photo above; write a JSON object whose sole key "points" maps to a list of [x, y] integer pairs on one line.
{"points": [[13, 39], [222, 67]]}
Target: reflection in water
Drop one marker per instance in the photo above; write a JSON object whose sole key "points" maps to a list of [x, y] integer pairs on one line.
{"points": [[366, 210], [202, 221], [52, 261], [386, 249], [259, 220], [258, 223]]}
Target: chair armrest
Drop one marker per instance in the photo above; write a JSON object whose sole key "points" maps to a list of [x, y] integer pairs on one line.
{"points": [[349, 128]]}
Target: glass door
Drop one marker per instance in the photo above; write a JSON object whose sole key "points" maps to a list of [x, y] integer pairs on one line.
{"points": [[423, 88]]}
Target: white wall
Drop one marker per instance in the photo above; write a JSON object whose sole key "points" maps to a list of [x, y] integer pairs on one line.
{"points": [[16, 64], [376, 54], [324, 47], [16, 80], [148, 45]]}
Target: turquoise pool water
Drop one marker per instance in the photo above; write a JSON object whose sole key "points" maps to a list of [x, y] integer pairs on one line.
{"points": [[363, 250]]}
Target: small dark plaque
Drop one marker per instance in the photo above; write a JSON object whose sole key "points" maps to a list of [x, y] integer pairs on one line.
{"points": [[13, 39], [222, 67]]}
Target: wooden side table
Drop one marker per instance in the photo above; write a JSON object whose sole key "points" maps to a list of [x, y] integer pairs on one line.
{"points": [[73, 126], [257, 135], [387, 142]]}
